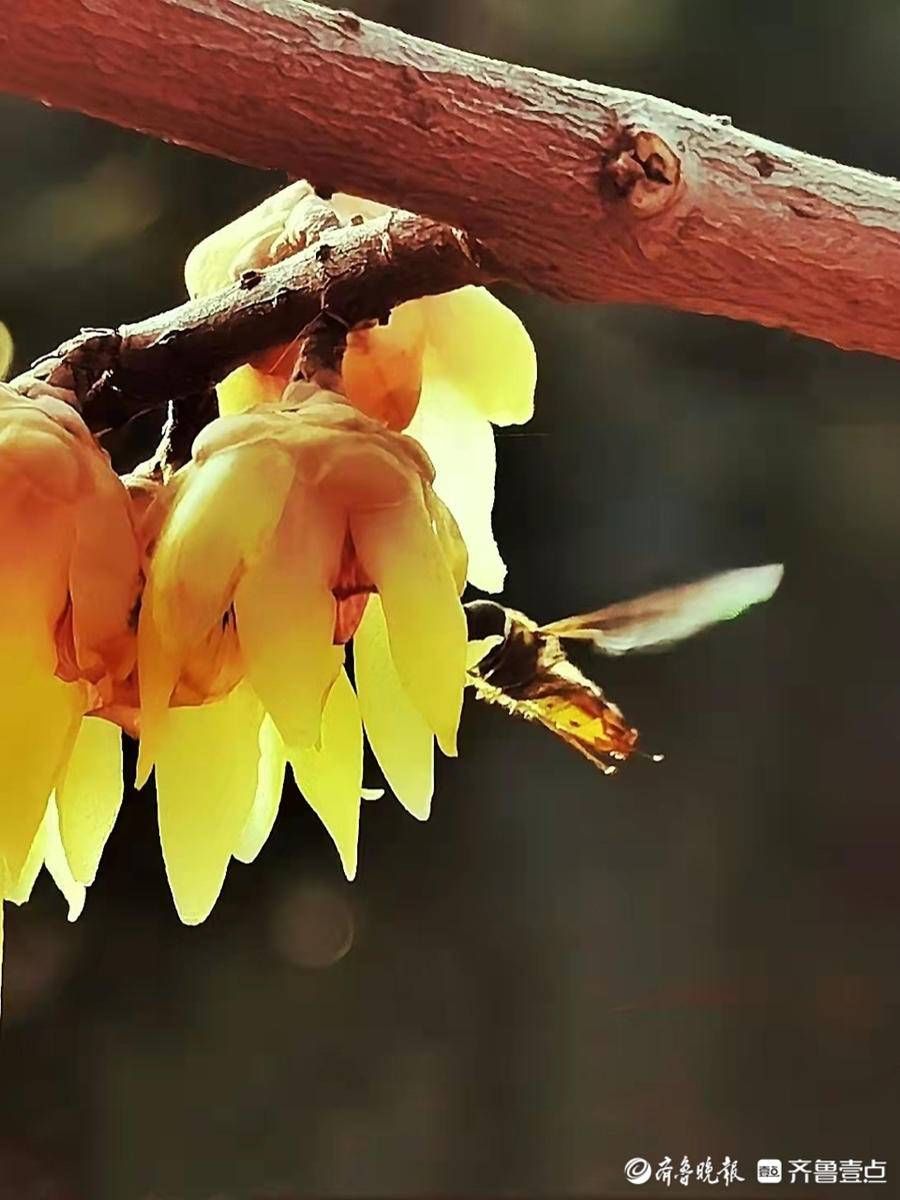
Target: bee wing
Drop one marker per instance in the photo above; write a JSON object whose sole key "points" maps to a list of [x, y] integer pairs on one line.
{"points": [[671, 614]]}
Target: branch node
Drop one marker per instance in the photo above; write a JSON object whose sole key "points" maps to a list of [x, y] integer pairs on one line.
{"points": [[525, 161], [350, 22], [643, 171], [764, 164]]}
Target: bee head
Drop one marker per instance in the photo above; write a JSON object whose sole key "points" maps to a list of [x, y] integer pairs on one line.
{"points": [[484, 619]]}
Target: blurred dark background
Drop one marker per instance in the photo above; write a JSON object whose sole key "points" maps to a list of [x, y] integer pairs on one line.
{"points": [[558, 971]]}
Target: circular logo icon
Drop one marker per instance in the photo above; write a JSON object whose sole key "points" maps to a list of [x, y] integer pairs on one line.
{"points": [[638, 1170]]}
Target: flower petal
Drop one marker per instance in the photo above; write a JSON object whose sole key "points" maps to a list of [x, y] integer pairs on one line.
{"points": [[347, 207], [58, 865], [36, 449], [89, 795], [450, 538], [330, 776], [47, 850], [269, 786], [401, 741], [39, 716], [382, 366], [158, 672], [226, 511], [206, 772], [285, 617], [243, 243], [245, 388], [104, 576], [18, 889], [426, 627], [460, 443], [35, 544], [482, 348], [39, 713]]}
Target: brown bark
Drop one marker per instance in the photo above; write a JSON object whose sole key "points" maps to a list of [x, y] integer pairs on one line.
{"points": [[583, 192], [352, 274]]}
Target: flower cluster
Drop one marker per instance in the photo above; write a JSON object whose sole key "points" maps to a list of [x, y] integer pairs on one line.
{"points": [[70, 578], [210, 614]]}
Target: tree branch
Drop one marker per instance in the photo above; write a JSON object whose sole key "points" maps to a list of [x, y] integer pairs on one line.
{"points": [[582, 192], [352, 274]]}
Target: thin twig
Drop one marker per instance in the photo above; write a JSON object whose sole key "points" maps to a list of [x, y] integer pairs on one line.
{"points": [[354, 274]]}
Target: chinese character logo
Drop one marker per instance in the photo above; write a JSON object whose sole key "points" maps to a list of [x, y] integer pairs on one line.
{"points": [[669, 1171], [638, 1170]]}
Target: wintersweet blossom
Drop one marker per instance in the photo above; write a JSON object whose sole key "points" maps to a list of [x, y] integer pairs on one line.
{"points": [[69, 583], [305, 520], [444, 368], [281, 530]]}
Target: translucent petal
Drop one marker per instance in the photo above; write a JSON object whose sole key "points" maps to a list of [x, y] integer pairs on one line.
{"points": [[206, 772], [18, 889], [347, 207], [225, 514], [269, 786], [58, 864], [482, 348], [227, 509], [330, 777], [245, 388], [213, 667], [39, 715], [401, 741], [38, 712], [243, 243], [158, 671], [448, 534], [89, 795], [47, 849], [285, 617], [426, 626], [35, 544], [34, 450], [41, 399], [382, 366], [104, 577], [262, 426], [460, 444]]}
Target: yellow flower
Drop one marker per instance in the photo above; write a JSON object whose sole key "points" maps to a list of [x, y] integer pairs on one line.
{"points": [[69, 582], [282, 528], [444, 368]]}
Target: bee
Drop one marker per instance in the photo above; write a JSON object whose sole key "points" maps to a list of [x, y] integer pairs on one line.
{"points": [[524, 668]]}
